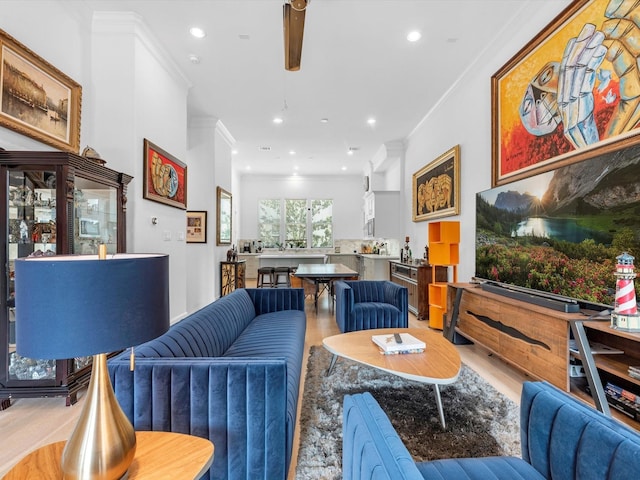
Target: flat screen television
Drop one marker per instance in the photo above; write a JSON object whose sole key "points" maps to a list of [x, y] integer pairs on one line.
{"points": [[557, 234]]}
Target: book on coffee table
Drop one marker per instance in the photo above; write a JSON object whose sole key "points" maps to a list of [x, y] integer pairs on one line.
{"points": [[388, 344]]}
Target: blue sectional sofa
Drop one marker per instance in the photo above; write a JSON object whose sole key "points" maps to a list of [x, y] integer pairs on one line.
{"points": [[562, 439], [367, 304], [229, 372]]}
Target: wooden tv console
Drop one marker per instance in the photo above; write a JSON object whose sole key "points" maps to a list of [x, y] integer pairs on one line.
{"points": [[535, 339]]}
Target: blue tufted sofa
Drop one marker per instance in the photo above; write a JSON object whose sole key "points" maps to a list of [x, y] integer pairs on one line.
{"points": [[229, 372], [367, 304], [562, 439]]}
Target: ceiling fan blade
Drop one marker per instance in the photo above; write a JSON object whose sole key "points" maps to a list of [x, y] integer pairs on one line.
{"points": [[293, 18]]}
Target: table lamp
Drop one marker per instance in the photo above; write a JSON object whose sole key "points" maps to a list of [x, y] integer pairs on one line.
{"points": [[77, 305]]}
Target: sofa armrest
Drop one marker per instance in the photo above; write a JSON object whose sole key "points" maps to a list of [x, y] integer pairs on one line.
{"points": [[344, 304], [371, 448], [397, 295], [562, 434], [221, 399], [267, 300]]}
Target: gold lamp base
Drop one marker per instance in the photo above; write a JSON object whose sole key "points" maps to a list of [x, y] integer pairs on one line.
{"points": [[103, 442]]}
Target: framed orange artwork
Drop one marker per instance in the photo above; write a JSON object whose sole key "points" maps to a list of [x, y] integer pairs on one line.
{"points": [[570, 93], [165, 177]]}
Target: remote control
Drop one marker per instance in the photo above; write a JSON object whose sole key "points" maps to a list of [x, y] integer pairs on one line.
{"points": [[397, 337]]}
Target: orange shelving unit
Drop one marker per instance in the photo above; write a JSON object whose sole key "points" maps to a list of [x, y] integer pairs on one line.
{"points": [[444, 250]]}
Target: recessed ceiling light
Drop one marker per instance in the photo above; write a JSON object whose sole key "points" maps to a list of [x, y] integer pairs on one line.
{"points": [[324, 120], [292, 152], [195, 59], [344, 168], [349, 152], [414, 36], [371, 121], [234, 152], [278, 120], [197, 32], [248, 167], [295, 167]]}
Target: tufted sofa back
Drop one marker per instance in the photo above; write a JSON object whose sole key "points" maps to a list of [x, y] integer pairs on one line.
{"points": [[565, 440], [208, 332]]}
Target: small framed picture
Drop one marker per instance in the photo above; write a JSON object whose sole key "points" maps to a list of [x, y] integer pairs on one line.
{"points": [[196, 227]]}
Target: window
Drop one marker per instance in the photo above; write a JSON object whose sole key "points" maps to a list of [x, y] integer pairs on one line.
{"points": [[269, 222], [295, 223], [322, 223]]}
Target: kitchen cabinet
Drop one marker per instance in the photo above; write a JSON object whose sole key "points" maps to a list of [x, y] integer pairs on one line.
{"points": [[374, 267], [55, 203], [251, 264], [382, 214], [349, 260]]}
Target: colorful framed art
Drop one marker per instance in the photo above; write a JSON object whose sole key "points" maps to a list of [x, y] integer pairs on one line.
{"points": [[569, 94], [165, 177], [436, 187], [37, 99]]}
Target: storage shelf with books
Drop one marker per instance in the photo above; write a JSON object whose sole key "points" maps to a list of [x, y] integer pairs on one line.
{"points": [[614, 367]]}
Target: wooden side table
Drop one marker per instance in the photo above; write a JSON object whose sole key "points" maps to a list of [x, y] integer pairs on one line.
{"points": [[159, 456]]}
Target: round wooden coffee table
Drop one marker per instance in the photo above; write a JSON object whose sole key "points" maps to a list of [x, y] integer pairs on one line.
{"points": [[438, 365]]}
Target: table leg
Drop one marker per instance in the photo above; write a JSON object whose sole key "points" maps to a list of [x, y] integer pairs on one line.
{"points": [[334, 358], [436, 391]]}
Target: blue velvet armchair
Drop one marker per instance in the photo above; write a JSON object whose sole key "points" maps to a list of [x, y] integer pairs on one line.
{"points": [[367, 304]]}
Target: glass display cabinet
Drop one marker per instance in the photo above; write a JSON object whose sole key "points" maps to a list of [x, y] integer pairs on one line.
{"points": [[54, 203]]}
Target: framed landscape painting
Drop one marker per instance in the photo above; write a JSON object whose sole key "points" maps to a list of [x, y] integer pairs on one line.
{"points": [[37, 99], [165, 177], [570, 93], [223, 216], [436, 187]]}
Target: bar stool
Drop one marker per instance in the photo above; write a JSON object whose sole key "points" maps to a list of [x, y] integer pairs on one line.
{"points": [[282, 278], [268, 273]]}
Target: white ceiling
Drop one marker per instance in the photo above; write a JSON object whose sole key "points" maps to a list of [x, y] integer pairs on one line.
{"points": [[356, 64]]}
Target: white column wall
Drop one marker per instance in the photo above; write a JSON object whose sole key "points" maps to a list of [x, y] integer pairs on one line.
{"points": [[139, 94]]}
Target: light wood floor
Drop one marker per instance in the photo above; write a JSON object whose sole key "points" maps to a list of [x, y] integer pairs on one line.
{"points": [[33, 422]]}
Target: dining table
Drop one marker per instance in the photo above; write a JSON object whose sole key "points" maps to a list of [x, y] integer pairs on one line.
{"points": [[323, 275]]}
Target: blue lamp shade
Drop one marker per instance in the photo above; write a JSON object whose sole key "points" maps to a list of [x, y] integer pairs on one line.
{"points": [[76, 305]]}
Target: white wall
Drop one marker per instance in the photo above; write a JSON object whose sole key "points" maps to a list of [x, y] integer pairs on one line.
{"points": [[346, 192], [138, 94], [463, 117]]}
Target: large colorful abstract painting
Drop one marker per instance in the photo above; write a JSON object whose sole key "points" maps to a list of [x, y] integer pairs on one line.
{"points": [[571, 93]]}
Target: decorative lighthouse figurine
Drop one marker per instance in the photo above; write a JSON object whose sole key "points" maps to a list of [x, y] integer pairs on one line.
{"points": [[625, 314]]}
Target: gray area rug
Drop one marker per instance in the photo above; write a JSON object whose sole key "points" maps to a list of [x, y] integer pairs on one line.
{"points": [[480, 421]]}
